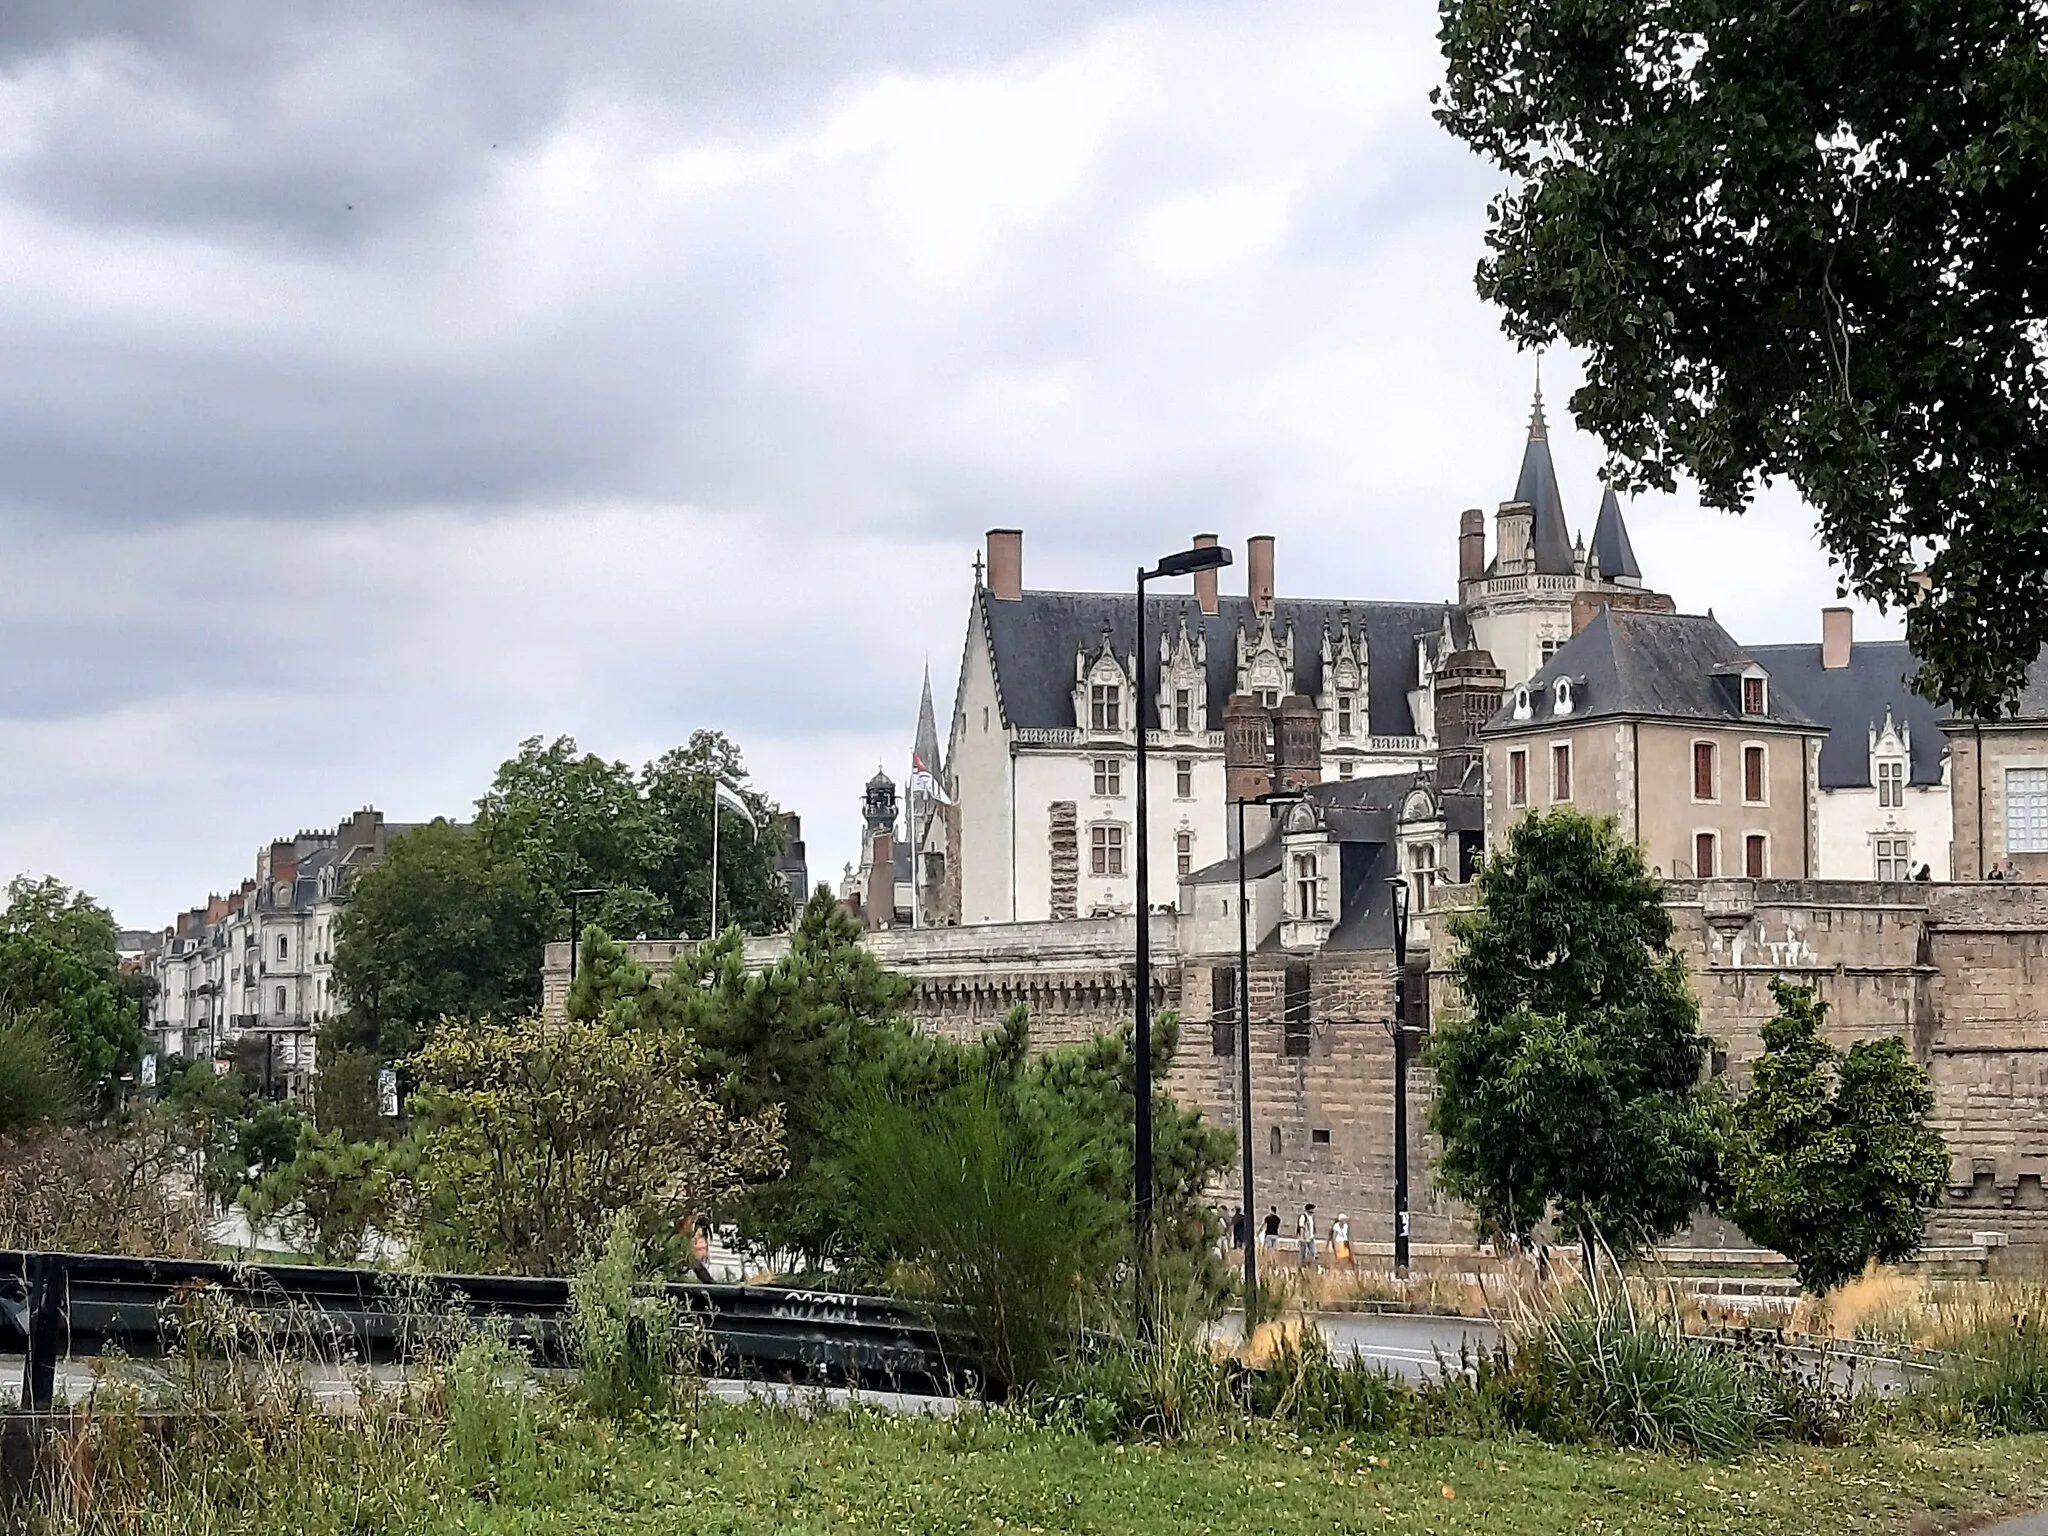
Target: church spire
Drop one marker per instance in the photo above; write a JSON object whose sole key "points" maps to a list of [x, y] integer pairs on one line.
{"points": [[1537, 431], [1550, 540], [924, 753]]}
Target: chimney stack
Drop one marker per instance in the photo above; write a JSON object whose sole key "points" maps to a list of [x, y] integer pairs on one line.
{"points": [[1205, 581], [1471, 544], [1837, 637], [1258, 558], [1006, 563]]}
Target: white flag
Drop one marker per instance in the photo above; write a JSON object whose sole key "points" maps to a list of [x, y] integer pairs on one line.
{"points": [[922, 783], [729, 798]]}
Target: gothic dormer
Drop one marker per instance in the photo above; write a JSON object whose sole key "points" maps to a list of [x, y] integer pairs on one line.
{"points": [[1308, 867], [1184, 681], [1104, 700], [1265, 663], [1891, 761], [1344, 695]]}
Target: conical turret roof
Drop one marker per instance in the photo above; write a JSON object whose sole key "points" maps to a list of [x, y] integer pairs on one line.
{"points": [[925, 750], [1549, 539], [1611, 547]]}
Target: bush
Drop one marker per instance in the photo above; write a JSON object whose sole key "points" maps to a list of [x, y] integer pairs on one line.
{"points": [[1997, 1378], [38, 1086], [629, 1340], [1306, 1386]]}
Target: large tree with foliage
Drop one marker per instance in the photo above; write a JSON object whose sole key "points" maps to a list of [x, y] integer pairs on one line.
{"points": [[452, 923], [1795, 241], [1571, 1088], [1833, 1161], [60, 972]]}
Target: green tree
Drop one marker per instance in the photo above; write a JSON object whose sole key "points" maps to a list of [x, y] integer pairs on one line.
{"points": [[1795, 242], [38, 1081], [440, 928], [329, 1195], [678, 790], [345, 1100], [1572, 1088], [1832, 1161], [530, 1137], [59, 971]]}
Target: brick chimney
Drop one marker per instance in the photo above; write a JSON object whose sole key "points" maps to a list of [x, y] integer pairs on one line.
{"points": [[1837, 637], [1471, 544], [1006, 563], [881, 892], [1258, 559], [1301, 742], [1247, 757], [1205, 581]]}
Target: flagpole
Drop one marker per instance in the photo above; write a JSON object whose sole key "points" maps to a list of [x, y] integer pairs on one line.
{"points": [[713, 935], [916, 909]]}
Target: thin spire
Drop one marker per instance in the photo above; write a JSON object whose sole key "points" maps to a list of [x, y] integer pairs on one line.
{"points": [[924, 752], [1538, 432]]}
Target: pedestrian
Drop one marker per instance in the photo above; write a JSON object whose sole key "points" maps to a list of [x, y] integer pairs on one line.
{"points": [[1237, 1233], [700, 1249], [1269, 1236], [1305, 1238], [1340, 1240]]}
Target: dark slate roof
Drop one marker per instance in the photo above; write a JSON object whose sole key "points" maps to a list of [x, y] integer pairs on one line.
{"points": [[1549, 538], [1617, 557], [1851, 702], [1035, 639], [1673, 666]]}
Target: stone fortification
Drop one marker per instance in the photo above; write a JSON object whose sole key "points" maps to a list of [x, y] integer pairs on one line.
{"points": [[1960, 972]]}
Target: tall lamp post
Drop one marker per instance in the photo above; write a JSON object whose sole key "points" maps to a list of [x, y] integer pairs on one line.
{"points": [[1207, 557], [1244, 1048], [576, 929], [1399, 890]]}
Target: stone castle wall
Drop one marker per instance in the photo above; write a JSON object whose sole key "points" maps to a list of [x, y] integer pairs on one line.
{"points": [[1960, 972]]}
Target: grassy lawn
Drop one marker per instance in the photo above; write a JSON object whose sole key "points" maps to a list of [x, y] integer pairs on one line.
{"points": [[760, 1471]]}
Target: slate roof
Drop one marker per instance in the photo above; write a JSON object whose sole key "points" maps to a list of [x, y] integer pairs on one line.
{"points": [[1549, 538], [1671, 666], [1611, 548], [1851, 702], [1036, 636]]}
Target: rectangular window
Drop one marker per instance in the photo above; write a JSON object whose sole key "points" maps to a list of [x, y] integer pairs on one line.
{"points": [[1518, 778], [1184, 851], [1106, 850], [1753, 860], [1753, 775], [1344, 714], [1703, 855], [1294, 1023], [1752, 695], [1269, 698], [1319, 1138], [1307, 887], [1561, 772], [1183, 710], [1422, 873], [1894, 857], [1223, 1011], [284, 947], [1109, 776], [1346, 768], [1184, 779], [1891, 785], [1547, 649], [1703, 770], [2026, 810], [280, 1000], [1105, 706]]}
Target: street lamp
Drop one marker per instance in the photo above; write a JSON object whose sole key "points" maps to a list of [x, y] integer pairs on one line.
{"points": [[1399, 890], [1244, 1045], [1203, 557], [576, 929]]}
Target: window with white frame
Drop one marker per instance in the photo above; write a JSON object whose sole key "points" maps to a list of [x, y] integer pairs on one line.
{"points": [[1894, 858], [1343, 714], [1546, 649], [1422, 872], [1269, 698], [1184, 779], [1109, 776], [1184, 851], [1105, 707], [1518, 778], [1561, 771], [1183, 710], [2026, 810], [1891, 783], [1105, 850], [1346, 768], [1307, 887]]}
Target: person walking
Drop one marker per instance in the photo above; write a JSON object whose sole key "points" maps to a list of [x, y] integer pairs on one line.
{"points": [[1305, 1238], [1269, 1235], [1340, 1240], [1237, 1232]]}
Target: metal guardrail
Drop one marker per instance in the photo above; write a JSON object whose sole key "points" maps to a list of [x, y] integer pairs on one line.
{"points": [[80, 1306]]}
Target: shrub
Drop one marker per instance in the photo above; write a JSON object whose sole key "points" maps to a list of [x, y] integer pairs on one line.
{"points": [[38, 1086], [1304, 1385], [629, 1340], [1997, 1376]]}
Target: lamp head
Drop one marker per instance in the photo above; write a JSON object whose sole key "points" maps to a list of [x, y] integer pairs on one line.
{"points": [[1206, 557]]}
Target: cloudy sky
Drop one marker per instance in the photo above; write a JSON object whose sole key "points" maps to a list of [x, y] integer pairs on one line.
{"points": [[383, 383]]}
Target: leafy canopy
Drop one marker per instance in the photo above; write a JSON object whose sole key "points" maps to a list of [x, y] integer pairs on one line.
{"points": [[1572, 1089], [1796, 242], [1832, 1161], [60, 973]]}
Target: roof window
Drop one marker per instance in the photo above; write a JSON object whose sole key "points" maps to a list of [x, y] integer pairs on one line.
{"points": [[1561, 697], [1522, 710]]}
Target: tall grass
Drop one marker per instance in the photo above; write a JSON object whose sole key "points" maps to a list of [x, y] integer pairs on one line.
{"points": [[631, 1348], [1995, 1337]]}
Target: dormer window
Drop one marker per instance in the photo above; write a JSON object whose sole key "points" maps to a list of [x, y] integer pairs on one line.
{"points": [[1183, 710], [1522, 710], [1105, 707], [1269, 698], [1343, 714], [1754, 699], [1891, 783], [1561, 698]]}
